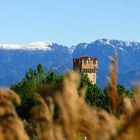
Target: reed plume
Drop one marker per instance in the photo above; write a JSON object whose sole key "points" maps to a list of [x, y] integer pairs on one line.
{"points": [[74, 114], [113, 94], [11, 126]]}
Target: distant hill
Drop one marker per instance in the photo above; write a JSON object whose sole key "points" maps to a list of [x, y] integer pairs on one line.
{"points": [[15, 60]]}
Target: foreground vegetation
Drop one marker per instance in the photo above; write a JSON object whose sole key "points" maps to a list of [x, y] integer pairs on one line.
{"points": [[68, 107], [35, 79]]}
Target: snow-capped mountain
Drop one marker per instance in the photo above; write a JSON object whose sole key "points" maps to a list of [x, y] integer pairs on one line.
{"points": [[38, 45], [15, 60]]}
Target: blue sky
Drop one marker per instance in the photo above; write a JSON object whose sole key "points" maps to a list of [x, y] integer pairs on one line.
{"points": [[68, 22]]}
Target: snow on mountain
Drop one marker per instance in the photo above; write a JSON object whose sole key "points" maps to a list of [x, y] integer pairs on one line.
{"points": [[37, 45], [11, 46], [71, 49], [40, 45], [117, 43], [48, 46]]}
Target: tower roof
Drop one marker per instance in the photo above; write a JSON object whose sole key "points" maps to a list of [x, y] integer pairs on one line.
{"points": [[81, 57]]}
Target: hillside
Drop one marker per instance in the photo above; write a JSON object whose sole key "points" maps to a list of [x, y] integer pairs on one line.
{"points": [[15, 60]]}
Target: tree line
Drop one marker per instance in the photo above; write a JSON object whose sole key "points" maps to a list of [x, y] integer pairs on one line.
{"points": [[35, 78]]}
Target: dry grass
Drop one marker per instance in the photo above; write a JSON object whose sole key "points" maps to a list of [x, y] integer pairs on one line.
{"points": [[11, 127], [115, 99], [75, 119]]}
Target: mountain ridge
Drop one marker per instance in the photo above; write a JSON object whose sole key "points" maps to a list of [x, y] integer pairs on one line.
{"points": [[15, 60], [42, 44]]}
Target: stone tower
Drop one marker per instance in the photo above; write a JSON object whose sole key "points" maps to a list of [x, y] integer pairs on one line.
{"points": [[88, 65]]}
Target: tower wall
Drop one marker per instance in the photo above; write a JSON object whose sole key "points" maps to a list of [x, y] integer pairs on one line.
{"points": [[86, 65], [92, 77]]}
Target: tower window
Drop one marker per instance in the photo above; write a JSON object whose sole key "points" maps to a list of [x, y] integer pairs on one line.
{"points": [[94, 61]]}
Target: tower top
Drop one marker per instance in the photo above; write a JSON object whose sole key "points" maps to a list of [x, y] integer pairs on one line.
{"points": [[88, 65], [85, 57]]}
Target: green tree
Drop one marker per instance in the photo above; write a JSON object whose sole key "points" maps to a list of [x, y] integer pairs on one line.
{"points": [[32, 80], [94, 95], [52, 78], [122, 91], [24, 88]]}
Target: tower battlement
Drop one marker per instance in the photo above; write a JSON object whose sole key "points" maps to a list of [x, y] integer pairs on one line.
{"points": [[88, 65]]}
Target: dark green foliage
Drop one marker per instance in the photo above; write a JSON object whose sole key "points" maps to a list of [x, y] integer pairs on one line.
{"points": [[52, 78], [94, 95], [32, 80], [37, 78], [122, 91], [98, 98]]}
